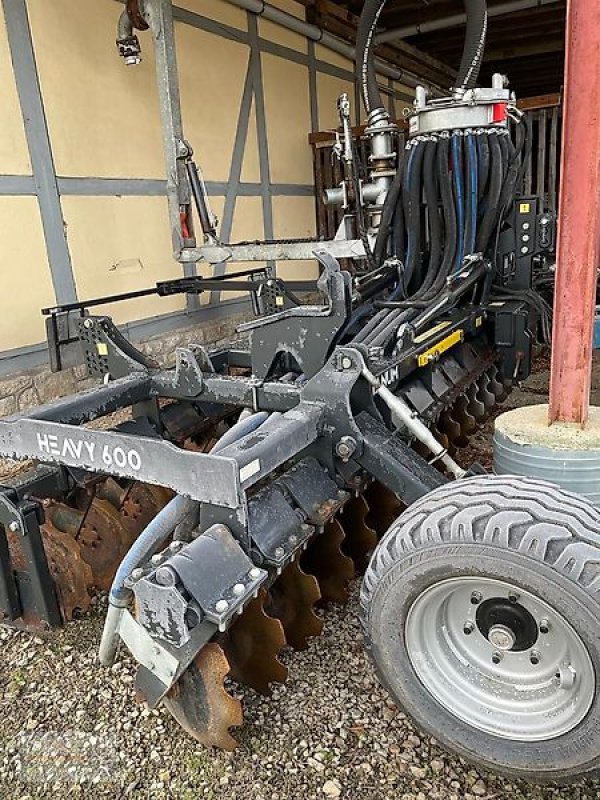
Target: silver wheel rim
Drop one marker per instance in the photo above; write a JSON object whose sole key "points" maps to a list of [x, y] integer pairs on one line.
{"points": [[471, 643]]}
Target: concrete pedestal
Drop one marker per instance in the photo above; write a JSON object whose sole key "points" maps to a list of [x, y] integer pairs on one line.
{"points": [[563, 453]]}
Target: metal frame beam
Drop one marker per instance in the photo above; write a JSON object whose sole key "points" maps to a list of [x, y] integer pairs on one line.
{"points": [[579, 220], [40, 152]]}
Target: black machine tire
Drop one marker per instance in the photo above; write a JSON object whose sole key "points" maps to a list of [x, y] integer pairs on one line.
{"points": [[508, 531]]}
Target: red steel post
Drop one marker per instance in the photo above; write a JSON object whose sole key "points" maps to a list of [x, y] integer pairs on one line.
{"points": [[578, 220]]}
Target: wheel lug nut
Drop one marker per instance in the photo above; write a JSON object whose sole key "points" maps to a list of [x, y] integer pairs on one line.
{"points": [[496, 657], [476, 598], [468, 628], [513, 597], [534, 657], [544, 626]]}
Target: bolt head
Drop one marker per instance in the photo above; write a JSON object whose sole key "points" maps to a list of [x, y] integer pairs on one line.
{"points": [[254, 573], [157, 558], [137, 573], [239, 589], [221, 606], [293, 540], [468, 627], [175, 546], [476, 598], [279, 552], [346, 362], [501, 637], [14, 526], [544, 626]]}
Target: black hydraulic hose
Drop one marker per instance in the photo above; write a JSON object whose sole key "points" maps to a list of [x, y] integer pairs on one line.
{"points": [[449, 216], [387, 215], [483, 163], [412, 208], [365, 59], [505, 145], [507, 194], [492, 198], [528, 132], [470, 162], [433, 214], [474, 45]]}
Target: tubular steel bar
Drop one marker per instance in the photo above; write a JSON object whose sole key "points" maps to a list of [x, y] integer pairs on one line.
{"points": [[579, 219]]}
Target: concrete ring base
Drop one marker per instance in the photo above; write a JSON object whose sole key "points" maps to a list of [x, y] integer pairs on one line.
{"points": [[563, 453]]}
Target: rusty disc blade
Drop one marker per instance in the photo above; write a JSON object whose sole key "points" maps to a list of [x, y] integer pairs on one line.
{"points": [[452, 428], [292, 599], [496, 385], [360, 539], [384, 507], [71, 574], [136, 506], [460, 412], [486, 396], [476, 407], [98, 532], [201, 704], [103, 541], [325, 560], [252, 646]]}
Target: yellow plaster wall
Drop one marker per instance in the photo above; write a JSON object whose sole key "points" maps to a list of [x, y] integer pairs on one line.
{"points": [[329, 89], [212, 71], [26, 281], [280, 35], [218, 10], [102, 115], [287, 105], [119, 244], [14, 156]]}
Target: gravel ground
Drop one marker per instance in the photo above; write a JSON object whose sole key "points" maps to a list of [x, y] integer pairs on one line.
{"points": [[73, 729]]}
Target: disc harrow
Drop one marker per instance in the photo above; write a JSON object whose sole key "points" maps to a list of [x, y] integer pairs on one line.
{"points": [[86, 535], [288, 613]]}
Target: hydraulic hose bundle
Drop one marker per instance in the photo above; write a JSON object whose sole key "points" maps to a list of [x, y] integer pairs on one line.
{"points": [[451, 193]]}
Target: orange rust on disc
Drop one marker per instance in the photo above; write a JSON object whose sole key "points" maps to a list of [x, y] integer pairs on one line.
{"points": [[72, 576], [325, 560], [139, 507], [292, 599], [201, 704], [98, 533], [252, 645], [360, 539]]}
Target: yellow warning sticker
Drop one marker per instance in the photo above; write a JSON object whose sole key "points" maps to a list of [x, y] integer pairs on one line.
{"points": [[439, 348], [102, 348], [524, 208]]}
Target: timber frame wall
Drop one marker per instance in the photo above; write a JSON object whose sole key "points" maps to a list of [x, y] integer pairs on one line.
{"points": [[82, 189]]}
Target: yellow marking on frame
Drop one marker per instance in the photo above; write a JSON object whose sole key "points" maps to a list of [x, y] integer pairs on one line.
{"points": [[524, 208], [102, 348], [431, 332], [440, 347], [478, 322]]}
